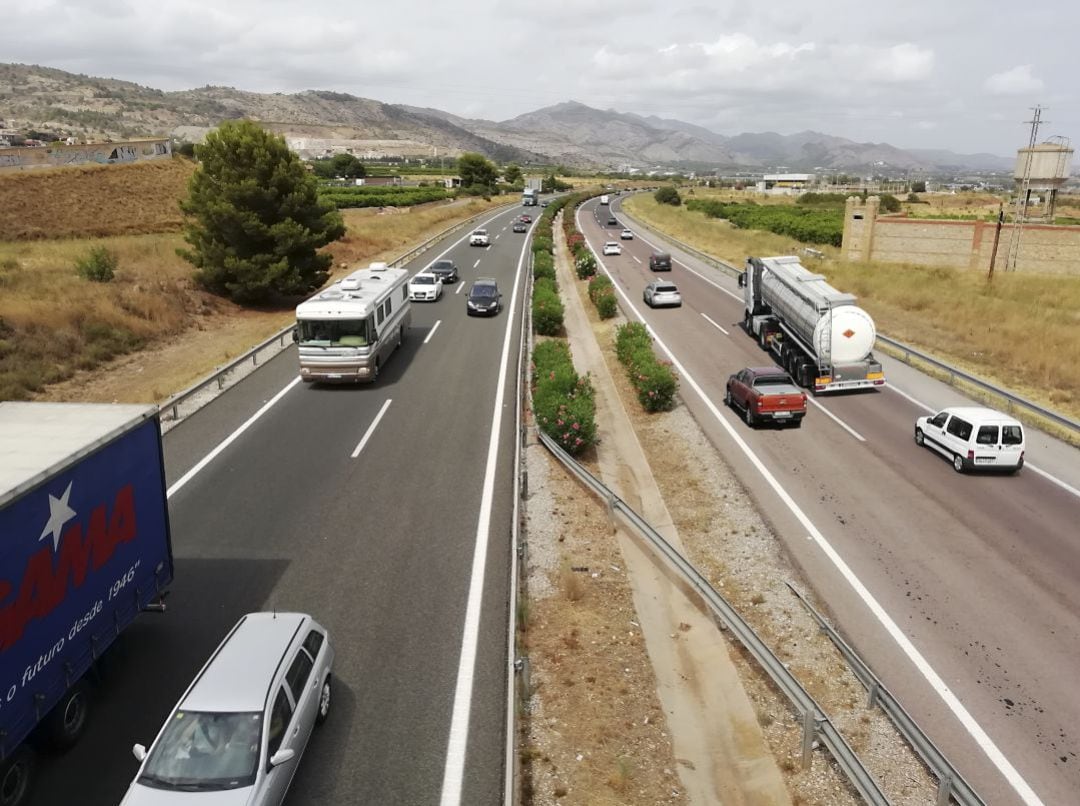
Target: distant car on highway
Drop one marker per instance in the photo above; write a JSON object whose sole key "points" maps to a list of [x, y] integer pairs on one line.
{"points": [[660, 261], [612, 248], [484, 298], [238, 732], [626, 235], [525, 217], [544, 203], [766, 393], [973, 437], [445, 270], [612, 221], [425, 287], [479, 237], [520, 226], [662, 294]]}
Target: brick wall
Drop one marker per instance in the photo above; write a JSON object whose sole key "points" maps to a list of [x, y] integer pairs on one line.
{"points": [[869, 236]]}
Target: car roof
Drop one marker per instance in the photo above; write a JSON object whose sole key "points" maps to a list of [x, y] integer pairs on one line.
{"points": [[443, 261], [239, 675], [981, 413]]}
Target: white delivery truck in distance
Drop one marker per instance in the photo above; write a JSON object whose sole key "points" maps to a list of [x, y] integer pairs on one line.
{"points": [[346, 333], [605, 199]]}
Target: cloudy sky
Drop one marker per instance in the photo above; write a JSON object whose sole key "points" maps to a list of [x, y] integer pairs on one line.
{"points": [[955, 74]]}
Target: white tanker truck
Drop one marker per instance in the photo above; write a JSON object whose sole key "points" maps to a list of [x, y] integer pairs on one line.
{"points": [[818, 334]]}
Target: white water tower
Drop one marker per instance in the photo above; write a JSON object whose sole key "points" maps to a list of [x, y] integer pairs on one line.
{"points": [[1042, 168]]}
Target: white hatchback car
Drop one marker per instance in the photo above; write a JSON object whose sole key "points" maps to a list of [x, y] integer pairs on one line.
{"points": [[974, 437], [662, 294], [479, 237], [238, 732], [612, 248], [425, 286]]}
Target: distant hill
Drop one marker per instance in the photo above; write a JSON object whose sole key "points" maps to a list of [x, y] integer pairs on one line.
{"points": [[570, 133]]}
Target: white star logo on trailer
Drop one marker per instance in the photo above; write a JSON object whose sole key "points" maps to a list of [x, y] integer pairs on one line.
{"points": [[59, 514]]}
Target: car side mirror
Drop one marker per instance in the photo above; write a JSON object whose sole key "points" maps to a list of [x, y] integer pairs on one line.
{"points": [[742, 280], [139, 751], [281, 756]]}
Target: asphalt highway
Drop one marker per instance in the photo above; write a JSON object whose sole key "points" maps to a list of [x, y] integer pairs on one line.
{"points": [[372, 508], [961, 591]]}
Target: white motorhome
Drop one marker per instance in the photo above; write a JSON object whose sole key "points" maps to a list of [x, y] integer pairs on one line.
{"points": [[348, 331]]}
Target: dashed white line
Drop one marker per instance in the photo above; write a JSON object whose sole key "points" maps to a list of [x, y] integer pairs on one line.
{"points": [[714, 324], [371, 428], [635, 257], [477, 263], [433, 329], [460, 285], [837, 420]]}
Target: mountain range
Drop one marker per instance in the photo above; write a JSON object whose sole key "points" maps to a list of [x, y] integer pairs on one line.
{"points": [[570, 133]]}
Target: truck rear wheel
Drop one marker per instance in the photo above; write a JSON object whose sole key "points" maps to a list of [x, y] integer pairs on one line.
{"points": [[65, 723], [750, 419], [16, 775]]}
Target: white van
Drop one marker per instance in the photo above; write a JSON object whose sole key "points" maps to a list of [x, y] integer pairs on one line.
{"points": [[974, 437]]}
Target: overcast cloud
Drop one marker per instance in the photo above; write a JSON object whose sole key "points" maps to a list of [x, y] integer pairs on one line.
{"points": [[961, 75]]}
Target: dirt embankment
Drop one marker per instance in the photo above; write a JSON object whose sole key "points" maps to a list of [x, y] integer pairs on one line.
{"points": [[93, 201]]}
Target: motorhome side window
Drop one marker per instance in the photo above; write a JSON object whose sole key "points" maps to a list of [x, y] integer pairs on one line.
{"points": [[939, 420], [961, 429], [988, 435], [404, 293], [389, 306], [380, 314]]}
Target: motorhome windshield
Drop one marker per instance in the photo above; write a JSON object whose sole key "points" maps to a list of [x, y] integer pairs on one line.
{"points": [[337, 332]]}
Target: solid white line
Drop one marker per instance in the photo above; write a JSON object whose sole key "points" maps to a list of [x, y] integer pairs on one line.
{"points": [[986, 744], [371, 428], [477, 263], [434, 327], [837, 420], [184, 479], [454, 772], [1027, 465], [714, 324]]}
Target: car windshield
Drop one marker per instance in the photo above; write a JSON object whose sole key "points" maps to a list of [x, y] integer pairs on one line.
{"points": [[480, 232], [482, 291], [442, 265], [200, 750], [336, 333], [424, 279]]}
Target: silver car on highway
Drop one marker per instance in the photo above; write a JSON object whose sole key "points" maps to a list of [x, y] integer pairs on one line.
{"points": [[662, 294], [237, 734]]}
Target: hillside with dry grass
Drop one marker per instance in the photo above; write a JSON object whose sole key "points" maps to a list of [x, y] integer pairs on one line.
{"points": [[93, 201], [150, 331]]}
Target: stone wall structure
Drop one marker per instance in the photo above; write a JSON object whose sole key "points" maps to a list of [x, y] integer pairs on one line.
{"points": [[54, 156], [870, 236]]}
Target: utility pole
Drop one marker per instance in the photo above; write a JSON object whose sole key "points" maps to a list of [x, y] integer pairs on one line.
{"points": [[997, 237], [1024, 192]]}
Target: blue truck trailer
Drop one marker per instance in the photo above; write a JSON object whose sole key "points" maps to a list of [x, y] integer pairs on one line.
{"points": [[84, 549]]}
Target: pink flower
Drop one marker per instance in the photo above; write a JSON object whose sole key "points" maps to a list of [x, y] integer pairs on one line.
{"points": [[576, 427]]}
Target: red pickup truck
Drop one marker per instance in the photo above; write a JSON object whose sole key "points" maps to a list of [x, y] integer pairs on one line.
{"points": [[766, 393]]}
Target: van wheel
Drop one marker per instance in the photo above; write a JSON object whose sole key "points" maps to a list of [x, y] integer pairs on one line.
{"points": [[749, 416], [958, 463], [16, 775], [66, 721], [324, 702], [919, 437]]}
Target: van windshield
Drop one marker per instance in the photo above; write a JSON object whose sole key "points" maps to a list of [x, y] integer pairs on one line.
{"points": [[337, 332], [205, 751]]}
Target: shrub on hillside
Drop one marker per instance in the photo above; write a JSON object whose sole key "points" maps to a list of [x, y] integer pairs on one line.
{"points": [[547, 308], [585, 265], [653, 379], [563, 402], [630, 338], [544, 265], [98, 265], [542, 243], [602, 294], [667, 195]]}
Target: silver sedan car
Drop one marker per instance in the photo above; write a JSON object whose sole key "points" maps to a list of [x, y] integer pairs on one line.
{"points": [[238, 732], [662, 294]]}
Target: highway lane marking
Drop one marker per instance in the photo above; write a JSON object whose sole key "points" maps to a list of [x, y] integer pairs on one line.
{"points": [[477, 263], [714, 324], [374, 424], [457, 743], [1027, 465], [837, 420], [635, 257], [434, 328], [461, 285], [985, 743], [229, 440], [498, 236]]}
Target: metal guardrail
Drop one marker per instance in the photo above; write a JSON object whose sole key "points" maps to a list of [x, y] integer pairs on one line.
{"points": [[816, 725], [950, 782], [170, 408], [1011, 400]]}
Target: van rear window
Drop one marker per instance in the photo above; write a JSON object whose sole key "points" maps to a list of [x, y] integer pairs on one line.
{"points": [[1012, 435]]}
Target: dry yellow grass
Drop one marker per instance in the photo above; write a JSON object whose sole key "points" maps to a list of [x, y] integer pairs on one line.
{"points": [[1021, 332]]}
